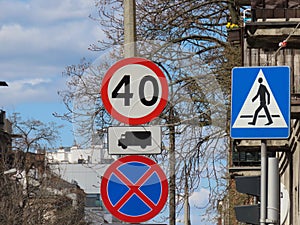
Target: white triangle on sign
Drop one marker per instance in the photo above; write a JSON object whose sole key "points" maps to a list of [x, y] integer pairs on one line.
{"points": [[246, 114]]}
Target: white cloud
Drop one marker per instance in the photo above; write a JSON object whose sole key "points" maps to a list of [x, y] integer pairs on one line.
{"points": [[44, 12], [71, 32], [198, 201], [38, 40], [27, 90], [199, 198]]}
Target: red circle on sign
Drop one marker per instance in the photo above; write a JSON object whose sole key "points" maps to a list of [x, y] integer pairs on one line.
{"points": [[134, 181], [128, 119]]}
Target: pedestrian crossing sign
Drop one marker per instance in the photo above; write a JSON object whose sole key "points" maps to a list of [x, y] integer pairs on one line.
{"points": [[260, 102]]}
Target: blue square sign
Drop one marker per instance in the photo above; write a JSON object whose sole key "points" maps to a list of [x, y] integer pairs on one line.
{"points": [[260, 103]]}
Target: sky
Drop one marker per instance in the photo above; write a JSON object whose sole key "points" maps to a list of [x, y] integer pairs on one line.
{"points": [[38, 39]]}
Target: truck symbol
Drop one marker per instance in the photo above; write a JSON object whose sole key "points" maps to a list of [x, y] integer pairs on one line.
{"points": [[135, 138]]}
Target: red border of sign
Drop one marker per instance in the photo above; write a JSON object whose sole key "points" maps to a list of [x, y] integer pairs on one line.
{"points": [[112, 111], [113, 168]]}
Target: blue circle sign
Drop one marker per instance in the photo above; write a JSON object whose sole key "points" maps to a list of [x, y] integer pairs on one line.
{"points": [[134, 189]]}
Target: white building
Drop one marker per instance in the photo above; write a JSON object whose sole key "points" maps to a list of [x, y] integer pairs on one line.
{"points": [[84, 167], [94, 155]]}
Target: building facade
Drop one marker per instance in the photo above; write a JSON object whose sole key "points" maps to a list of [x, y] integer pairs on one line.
{"points": [[269, 35], [5, 140]]}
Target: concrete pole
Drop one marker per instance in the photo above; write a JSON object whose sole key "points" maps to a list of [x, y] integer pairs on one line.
{"points": [[172, 167], [187, 216], [273, 192], [263, 182], [187, 220], [129, 28]]}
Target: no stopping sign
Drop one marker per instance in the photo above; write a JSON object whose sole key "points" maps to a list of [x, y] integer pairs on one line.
{"points": [[134, 189], [134, 91]]}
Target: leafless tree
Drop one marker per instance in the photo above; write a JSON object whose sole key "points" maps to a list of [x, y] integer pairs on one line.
{"points": [[32, 135], [187, 39], [29, 192]]}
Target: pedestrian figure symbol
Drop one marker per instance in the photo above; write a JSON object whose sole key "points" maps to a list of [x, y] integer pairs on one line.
{"points": [[262, 93]]}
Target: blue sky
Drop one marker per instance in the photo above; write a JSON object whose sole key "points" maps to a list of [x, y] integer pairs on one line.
{"points": [[38, 39]]}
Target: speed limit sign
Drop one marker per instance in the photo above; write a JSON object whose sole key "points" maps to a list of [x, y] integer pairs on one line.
{"points": [[134, 91]]}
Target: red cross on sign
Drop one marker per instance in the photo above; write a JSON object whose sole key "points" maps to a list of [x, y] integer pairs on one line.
{"points": [[134, 189]]}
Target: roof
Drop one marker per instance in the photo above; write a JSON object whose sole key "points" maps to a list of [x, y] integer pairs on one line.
{"points": [[87, 176]]}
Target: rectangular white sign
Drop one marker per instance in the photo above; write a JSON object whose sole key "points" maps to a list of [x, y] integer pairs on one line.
{"points": [[134, 140]]}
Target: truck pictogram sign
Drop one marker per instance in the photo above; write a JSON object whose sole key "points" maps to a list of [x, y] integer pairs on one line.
{"points": [[135, 138]]}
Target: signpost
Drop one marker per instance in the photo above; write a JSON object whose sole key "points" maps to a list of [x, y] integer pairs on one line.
{"points": [[134, 91], [134, 189], [260, 109]]}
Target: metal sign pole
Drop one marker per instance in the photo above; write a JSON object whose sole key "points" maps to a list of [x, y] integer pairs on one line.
{"points": [[273, 192], [263, 184]]}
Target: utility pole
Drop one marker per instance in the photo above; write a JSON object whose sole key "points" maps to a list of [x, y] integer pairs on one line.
{"points": [[172, 158], [187, 219], [129, 28], [130, 51], [172, 167]]}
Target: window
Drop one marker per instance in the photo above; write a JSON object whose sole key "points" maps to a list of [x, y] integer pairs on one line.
{"points": [[93, 200]]}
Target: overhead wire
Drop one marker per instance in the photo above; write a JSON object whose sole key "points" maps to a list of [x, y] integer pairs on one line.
{"points": [[282, 44]]}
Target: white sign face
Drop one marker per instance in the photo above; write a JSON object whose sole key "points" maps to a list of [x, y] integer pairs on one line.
{"points": [[134, 140], [134, 91], [250, 105], [129, 102]]}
